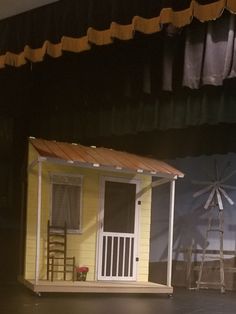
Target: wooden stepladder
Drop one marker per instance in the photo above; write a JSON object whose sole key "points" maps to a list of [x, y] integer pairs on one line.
{"points": [[213, 228]]}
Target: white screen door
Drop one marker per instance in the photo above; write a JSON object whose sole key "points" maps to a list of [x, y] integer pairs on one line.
{"points": [[118, 233]]}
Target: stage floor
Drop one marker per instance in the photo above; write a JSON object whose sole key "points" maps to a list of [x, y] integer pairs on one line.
{"points": [[15, 298]]}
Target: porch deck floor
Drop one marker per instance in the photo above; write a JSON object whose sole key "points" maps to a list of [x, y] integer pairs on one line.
{"points": [[97, 287]]}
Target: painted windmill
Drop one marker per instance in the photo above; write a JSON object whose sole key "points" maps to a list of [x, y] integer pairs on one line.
{"points": [[216, 189], [217, 192]]}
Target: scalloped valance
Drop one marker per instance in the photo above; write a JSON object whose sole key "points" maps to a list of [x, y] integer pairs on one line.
{"points": [[76, 25]]}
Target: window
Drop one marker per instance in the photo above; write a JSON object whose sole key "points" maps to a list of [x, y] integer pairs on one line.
{"points": [[66, 201]]}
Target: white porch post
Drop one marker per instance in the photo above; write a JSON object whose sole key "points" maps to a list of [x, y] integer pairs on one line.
{"points": [[171, 228], [38, 222]]}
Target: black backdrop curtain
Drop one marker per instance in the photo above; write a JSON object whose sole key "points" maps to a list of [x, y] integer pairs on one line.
{"points": [[76, 25], [108, 91], [120, 90]]}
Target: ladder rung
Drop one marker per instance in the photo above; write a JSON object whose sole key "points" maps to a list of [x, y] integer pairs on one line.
{"points": [[60, 257], [57, 252], [53, 235], [215, 230], [60, 271], [216, 257], [197, 267], [60, 260], [212, 283], [56, 242], [230, 269]]}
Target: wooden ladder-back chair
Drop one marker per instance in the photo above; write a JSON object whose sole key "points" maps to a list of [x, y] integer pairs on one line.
{"points": [[57, 260]]}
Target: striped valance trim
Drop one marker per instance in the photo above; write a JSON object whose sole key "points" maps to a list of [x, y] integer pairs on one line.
{"points": [[203, 12]]}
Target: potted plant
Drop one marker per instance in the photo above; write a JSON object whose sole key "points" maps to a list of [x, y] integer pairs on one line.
{"points": [[81, 273]]}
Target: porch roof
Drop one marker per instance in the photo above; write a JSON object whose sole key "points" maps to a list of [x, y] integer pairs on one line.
{"points": [[103, 158]]}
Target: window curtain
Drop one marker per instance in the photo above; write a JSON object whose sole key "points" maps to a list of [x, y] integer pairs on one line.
{"points": [[65, 206]]}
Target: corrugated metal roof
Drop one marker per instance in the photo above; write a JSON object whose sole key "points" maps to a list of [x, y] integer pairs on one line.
{"points": [[102, 157]]}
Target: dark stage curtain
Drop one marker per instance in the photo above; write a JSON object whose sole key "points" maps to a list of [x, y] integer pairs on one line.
{"points": [[76, 25], [186, 108], [103, 93]]}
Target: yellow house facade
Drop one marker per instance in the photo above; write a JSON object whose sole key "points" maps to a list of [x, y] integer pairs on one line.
{"points": [[108, 230]]}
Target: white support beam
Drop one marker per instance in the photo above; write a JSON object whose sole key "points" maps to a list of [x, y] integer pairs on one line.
{"points": [[32, 164], [38, 222], [171, 232], [159, 182]]}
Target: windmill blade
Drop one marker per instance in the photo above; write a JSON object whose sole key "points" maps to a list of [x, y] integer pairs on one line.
{"points": [[216, 170], [231, 202], [210, 198], [223, 170], [219, 199], [201, 182], [227, 177], [227, 186], [202, 191]]}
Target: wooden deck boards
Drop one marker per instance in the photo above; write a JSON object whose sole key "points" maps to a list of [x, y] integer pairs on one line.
{"points": [[97, 287]]}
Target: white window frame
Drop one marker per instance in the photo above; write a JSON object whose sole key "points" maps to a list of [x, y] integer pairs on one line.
{"points": [[68, 176]]}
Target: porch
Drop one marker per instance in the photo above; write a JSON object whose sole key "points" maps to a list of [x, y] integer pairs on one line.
{"points": [[96, 287]]}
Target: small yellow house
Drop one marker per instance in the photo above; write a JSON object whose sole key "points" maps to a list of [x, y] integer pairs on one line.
{"points": [[104, 196]]}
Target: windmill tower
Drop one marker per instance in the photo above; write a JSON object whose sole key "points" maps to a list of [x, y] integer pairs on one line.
{"points": [[214, 205]]}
